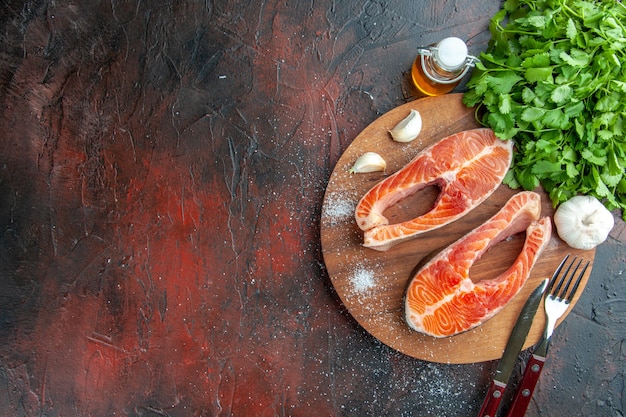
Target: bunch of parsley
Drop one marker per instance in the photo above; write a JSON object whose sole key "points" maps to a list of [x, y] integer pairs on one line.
{"points": [[553, 79]]}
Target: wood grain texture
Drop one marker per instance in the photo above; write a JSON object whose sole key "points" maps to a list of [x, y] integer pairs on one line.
{"points": [[371, 284]]}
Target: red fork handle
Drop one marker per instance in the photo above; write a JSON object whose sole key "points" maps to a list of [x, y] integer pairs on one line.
{"points": [[527, 386], [492, 399]]}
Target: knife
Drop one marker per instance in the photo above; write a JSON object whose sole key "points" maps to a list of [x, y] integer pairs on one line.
{"points": [[529, 380], [511, 352]]}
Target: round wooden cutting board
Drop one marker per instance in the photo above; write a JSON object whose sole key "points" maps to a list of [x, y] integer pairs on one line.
{"points": [[371, 284]]}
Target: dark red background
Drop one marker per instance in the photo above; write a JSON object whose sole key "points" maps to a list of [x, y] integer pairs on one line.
{"points": [[162, 170]]}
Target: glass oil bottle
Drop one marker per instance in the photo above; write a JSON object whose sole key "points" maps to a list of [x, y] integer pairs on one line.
{"points": [[439, 68]]}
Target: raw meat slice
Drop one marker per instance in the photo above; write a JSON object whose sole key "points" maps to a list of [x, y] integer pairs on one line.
{"points": [[467, 167], [441, 299]]}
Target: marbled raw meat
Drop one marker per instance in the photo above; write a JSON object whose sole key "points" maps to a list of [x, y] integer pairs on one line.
{"points": [[442, 300], [467, 167]]}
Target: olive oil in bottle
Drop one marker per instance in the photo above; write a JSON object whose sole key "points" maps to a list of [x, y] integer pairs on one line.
{"points": [[439, 68]]}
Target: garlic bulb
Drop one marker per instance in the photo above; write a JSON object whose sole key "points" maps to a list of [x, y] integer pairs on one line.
{"points": [[368, 162], [408, 128], [583, 222]]}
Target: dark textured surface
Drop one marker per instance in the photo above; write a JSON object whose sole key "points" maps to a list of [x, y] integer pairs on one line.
{"points": [[162, 170]]}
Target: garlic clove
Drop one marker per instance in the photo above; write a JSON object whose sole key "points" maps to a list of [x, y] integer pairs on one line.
{"points": [[583, 222], [408, 128], [368, 162]]}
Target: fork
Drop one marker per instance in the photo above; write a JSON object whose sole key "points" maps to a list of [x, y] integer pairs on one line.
{"points": [[559, 295]]}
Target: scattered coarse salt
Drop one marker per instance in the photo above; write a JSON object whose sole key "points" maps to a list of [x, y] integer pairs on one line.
{"points": [[362, 280], [338, 208], [440, 391]]}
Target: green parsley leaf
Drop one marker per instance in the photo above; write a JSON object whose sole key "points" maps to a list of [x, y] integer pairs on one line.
{"points": [[553, 80], [532, 114], [574, 109], [594, 159], [556, 118], [538, 60], [505, 104], [533, 75], [571, 30], [576, 58], [504, 82], [561, 94]]}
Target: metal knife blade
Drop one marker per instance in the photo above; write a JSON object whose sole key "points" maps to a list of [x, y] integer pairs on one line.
{"points": [[511, 352], [519, 333]]}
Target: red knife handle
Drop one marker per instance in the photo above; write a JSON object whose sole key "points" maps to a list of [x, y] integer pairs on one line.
{"points": [[527, 386], [492, 399]]}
